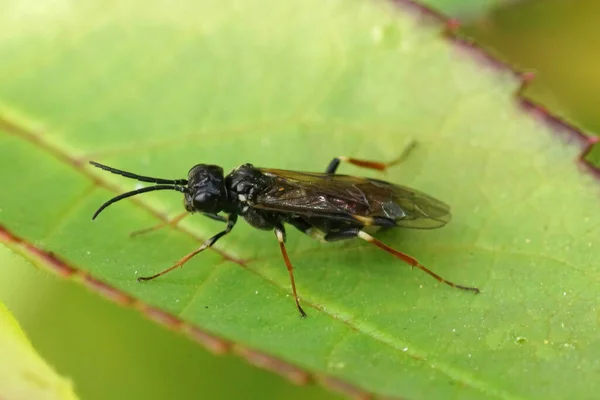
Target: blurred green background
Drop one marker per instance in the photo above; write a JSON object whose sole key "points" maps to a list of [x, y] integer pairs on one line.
{"points": [[557, 39]]}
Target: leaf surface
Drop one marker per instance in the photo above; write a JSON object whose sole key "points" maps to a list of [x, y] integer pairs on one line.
{"points": [[156, 88]]}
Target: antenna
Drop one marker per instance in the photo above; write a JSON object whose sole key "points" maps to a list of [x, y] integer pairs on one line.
{"points": [[138, 191], [139, 177], [163, 184]]}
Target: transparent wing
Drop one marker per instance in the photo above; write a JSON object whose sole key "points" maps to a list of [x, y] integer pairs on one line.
{"points": [[343, 196]]}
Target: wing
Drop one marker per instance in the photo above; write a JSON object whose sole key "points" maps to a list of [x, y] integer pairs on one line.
{"points": [[345, 197]]}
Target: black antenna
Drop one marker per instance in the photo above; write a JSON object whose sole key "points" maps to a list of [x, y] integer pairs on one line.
{"points": [[140, 177], [138, 191]]}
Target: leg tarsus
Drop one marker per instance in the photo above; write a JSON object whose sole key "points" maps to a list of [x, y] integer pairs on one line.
{"points": [[404, 155]]}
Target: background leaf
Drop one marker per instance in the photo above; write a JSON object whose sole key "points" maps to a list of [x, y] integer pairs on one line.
{"points": [[139, 358], [156, 89], [24, 374], [557, 41]]}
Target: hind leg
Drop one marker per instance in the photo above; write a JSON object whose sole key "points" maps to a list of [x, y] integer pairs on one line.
{"points": [[379, 166], [353, 232]]}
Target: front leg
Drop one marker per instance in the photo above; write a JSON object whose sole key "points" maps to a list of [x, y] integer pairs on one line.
{"points": [[215, 217], [231, 220], [173, 222]]}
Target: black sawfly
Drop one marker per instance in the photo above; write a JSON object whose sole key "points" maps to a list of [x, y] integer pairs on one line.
{"points": [[326, 206]]}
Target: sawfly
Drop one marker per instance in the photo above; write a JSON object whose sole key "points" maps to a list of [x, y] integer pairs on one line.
{"points": [[326, 206]]}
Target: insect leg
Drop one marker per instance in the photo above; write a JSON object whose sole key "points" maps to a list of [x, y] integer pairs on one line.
{"points": [[348, 233], [280, 233], [411, 261], [230, 224], [172, 222], [380, 166], [300, 224], [306, 228], [216, 217]]}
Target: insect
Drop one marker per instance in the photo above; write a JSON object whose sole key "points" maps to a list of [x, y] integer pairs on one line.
{"points": [[325, 206]]}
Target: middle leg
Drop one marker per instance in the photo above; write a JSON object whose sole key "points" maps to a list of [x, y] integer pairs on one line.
{"points": [[280, 233]]}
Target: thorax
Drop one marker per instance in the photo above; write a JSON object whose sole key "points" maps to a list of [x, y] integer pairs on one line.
{"points": [[244, 183]]}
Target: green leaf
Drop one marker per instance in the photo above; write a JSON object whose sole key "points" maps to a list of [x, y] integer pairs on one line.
{"points": [[156, 88], [23, 373]]}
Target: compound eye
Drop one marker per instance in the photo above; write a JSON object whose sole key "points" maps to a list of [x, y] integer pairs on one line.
{"points": [[206, 202], [201, 197]]}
